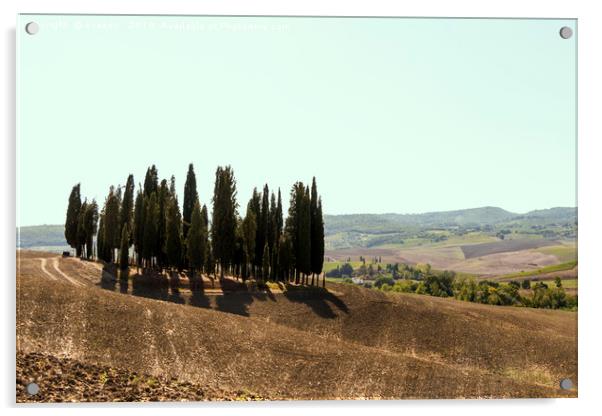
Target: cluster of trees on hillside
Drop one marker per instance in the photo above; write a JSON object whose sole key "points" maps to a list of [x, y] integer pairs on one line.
{"points": [[261, 244], [447, 284]]}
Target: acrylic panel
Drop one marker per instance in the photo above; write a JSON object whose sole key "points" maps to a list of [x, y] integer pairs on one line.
{"points": [[295, 208]]}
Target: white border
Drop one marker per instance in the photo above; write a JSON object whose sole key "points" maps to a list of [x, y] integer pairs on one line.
{"points": [[590, 209]]}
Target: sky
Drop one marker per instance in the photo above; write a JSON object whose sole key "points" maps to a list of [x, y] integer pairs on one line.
{"points": [[389, 114]]}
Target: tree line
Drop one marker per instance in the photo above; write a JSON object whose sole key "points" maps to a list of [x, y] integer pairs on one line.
{"points": [[260, 245]]}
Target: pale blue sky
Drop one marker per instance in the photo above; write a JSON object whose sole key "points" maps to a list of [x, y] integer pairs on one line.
{"points": [[390, 115]]}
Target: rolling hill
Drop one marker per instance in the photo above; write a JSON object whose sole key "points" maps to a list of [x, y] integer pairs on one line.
{"points": [[346, 343]]}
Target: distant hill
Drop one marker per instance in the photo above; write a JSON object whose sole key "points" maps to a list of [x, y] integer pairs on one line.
{"points": [[550, 223], [46, 237], [473, 217]]}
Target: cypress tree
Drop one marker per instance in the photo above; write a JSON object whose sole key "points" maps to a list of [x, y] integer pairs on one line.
{"points": [[210, 261], [151, 181], [126, 213], [249, 230], [285, 257], [139, 226], [173, 230], [190, 198], [317, 232], [162, 201], [151, 216], [265, 273], [263, 224], [124, 255], [204, 233], [223, 225], [81, 229], [194, 241], [100, 239], [304, 256], [90, 226], [298, 227], [255, 206], [111, 224], [72, 218]]}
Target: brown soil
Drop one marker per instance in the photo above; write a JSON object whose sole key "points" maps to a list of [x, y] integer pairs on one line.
{"points": [[346, 343], [505, 246], [67, 380]]}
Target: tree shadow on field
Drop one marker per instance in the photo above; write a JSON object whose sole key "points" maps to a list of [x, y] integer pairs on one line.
{"points": [[319, 300], [150, 284], [108, 279], [237, 297], [124, 280], [174, 284], [197, 289], [237, 303]]}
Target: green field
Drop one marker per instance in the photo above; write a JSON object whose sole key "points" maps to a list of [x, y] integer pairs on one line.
{"points": [[566, 283], [564, 253], [548, 269]]}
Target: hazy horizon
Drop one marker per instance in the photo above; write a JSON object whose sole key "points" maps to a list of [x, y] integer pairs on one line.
{"points": [[370, 213], [390, 115]]}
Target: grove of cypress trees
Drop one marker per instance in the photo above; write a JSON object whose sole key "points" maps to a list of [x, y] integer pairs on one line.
{"points": [[223, 225], [72, 219]]}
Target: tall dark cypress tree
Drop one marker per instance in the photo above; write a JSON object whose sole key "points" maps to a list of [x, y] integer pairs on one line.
{"points": [[162, 201], [81, 229], [255, 206], [72, 218], [249, 230], [205, 233], [124, 255], [194, 240], [304, 255], [223, 225], [151, 217], [279, 219], [139, 226], [101, 251], [112, 234], [317, 232], [190, 198], [90, 226], [173, 230], [285, 257], [126, 213], [151, 181]]}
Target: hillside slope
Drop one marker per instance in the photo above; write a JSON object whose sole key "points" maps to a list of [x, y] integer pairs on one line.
{"points": [[351, 343]]}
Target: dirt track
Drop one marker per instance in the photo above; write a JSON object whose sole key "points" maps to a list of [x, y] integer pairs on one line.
{"points": [[350, 343]]}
